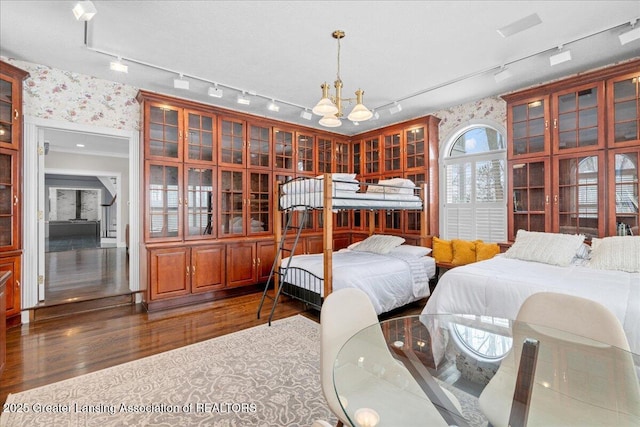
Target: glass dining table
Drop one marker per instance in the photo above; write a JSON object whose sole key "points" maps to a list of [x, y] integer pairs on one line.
{"points": [[467, 370]]}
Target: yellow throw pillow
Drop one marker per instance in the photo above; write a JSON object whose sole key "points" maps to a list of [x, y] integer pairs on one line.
{"points": [[464, 252], [486, 250], [442, 250]]}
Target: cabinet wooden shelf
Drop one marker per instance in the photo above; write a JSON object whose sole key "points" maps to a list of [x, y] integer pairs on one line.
{"points": [[209, 182], [567, 143], [11, 79]]}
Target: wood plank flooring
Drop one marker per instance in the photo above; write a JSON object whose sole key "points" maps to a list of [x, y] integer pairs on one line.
{"points": [[52, 350]]}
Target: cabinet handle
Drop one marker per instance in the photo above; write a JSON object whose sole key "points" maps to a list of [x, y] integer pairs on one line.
{"points": [[187, 271], [16, 114], [18, 283], [254, 262], [546, 124], [259, 261], [15, 200], [555, 123], [547, 199], [186, 202], [555, 199], [193, 270]]}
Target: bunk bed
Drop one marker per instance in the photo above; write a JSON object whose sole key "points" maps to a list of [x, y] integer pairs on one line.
{"points": [[401, 272]]}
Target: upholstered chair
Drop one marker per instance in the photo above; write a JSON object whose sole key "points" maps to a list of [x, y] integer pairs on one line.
{"points": [[584, 373]]}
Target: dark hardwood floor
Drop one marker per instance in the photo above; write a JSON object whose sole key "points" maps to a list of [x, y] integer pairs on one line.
{"points": [[84, 274], [51, 350]]}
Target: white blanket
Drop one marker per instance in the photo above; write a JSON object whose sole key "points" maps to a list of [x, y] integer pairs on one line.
{"points": [[390, 282], [498, 287]]}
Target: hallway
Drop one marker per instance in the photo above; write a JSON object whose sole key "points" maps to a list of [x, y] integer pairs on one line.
{"points": [[85, 274]]}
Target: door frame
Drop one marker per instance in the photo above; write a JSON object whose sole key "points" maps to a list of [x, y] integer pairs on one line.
{"points": [[33, 201]]}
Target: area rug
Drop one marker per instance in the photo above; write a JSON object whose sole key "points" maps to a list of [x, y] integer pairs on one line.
{"points": [[262, 376]]}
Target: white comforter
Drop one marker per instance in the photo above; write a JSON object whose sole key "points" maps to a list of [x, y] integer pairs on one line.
{"points": [[390, 282], [498, 287]]}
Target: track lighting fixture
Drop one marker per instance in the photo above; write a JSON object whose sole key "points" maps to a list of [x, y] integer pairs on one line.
{"points": [[84, 10], [503, 74], [305, 114], [215, 91], [631, 35], [272, 106], [395, 109], [243, 99], [180, 83], [118, 66], [559, 58]]}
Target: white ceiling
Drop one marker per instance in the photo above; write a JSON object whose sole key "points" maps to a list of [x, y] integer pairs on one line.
{"points": [[428, 55]]}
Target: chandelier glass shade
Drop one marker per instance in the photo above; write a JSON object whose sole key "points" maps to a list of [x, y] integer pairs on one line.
{"points": [[330, 107]]}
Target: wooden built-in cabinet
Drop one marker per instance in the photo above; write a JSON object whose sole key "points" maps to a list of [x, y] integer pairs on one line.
{"points": [[210, 176], [573, 154], [11, 79]]}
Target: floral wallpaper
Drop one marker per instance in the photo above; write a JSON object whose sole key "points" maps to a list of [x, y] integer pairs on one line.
{"points": [[493, 109], [50, 93]]}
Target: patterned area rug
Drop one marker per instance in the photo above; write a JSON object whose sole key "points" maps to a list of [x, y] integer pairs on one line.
{"points": [[262, 376]]}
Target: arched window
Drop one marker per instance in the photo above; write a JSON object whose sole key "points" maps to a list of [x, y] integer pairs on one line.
{"points": [[474, 184]]}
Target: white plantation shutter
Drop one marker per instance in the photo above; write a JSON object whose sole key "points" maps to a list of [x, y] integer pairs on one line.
{"points": [[475, 206]]}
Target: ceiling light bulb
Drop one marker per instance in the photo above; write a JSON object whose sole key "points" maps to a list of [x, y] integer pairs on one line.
{"points": [[84, 10], [242, 99], [629, 36], [215, 91], [330, 121], [273, 106], [118, 66]]}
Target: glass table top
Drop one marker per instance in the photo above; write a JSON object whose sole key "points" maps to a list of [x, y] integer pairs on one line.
{"points": [[443, 370]]}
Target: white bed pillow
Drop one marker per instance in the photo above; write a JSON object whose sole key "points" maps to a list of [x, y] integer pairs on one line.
{"points": [[393, 186], [379, 244], [616, 253], [416, 251], [549, 248]]}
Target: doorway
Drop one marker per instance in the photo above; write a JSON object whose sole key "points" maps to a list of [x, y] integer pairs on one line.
{"points": [[93, 173]]}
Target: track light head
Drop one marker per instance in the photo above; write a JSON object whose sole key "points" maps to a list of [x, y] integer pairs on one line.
{"points": [[84, 10]]}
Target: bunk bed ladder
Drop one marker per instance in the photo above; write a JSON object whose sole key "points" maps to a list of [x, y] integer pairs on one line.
{"points": [[283, 271]]}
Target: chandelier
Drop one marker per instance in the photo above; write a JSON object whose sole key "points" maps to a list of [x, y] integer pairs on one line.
{"points": [[330, 107]]}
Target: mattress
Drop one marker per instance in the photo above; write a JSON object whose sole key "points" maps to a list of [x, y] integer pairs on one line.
{"points": [[390, 281], [351, 200], [498, 287]]}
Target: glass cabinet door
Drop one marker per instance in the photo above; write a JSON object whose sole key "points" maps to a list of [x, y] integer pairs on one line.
{"points": [[164, 133], [624, 188], [624, 102], [232, 202], [305, 154], [324, 155], [392, 153], [7, 113], [579, 113], [415, 148], [259, 206], [259, 147], [232, 142], [372, 156], [283, 151], [164, 203], [199, 204], [9, 213], [528, 122], [530, 201], [200, 137], [578, 194], [342, 156]]}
